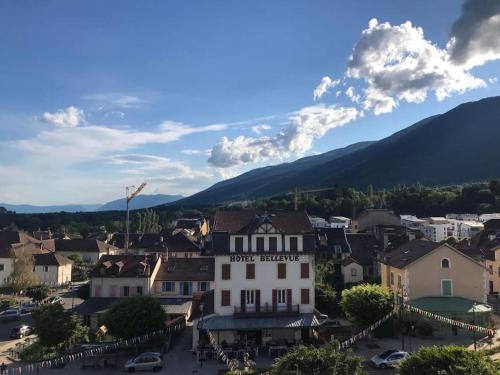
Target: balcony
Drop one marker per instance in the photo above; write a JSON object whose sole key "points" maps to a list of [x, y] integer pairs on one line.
{"points": [[266, 310]]}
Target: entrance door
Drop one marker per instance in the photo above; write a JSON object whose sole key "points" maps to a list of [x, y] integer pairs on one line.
{"points": [[250, 300]]}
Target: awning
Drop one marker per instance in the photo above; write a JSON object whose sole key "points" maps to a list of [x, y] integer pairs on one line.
{"points": [[99, 305], [450, 305], [230, 323]]}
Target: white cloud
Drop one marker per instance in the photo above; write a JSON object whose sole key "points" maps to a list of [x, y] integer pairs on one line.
{"points": [[305, 125], [493, 80], [71, 117], [191, 152], [475, 35], [351, 94], [326, 84], [116, 100], [257, 129], [398, 64]]}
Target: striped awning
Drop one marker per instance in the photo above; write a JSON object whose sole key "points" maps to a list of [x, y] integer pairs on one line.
{"points": [[229, 323]]}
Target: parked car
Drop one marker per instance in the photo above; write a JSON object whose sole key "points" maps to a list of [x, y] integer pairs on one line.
{"points": [[325, 321], [10, 315], [54, 300], [150, 361], [21, 331], [389, 358], [27, 307]]}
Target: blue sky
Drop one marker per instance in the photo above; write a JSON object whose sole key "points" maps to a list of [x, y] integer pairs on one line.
{"points": [[98, 95]]}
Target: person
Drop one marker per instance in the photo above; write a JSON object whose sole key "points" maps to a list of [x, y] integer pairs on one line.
{"points": [[3, 368]]}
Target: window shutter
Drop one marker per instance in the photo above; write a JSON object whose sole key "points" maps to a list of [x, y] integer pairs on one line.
{"points": [[242, 300], [257, 300], [250, 268], [281, 270], [304, 296], [304, 270], [226, 271], [225, 298], [275, 299], [289, 299]]}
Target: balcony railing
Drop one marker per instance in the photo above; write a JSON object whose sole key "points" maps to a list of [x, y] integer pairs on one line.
{"points": [[266, 310]]}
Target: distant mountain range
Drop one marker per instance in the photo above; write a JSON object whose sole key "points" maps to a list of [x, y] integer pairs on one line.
{"points": [[141, 201], [459, 146]]}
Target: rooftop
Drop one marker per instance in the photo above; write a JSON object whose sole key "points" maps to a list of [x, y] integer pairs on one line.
{"points": [[186, 269], [125, 265], [449, 305]]}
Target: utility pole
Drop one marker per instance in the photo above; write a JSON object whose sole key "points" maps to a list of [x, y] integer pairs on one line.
{"points": [[474, 323], [127, 215], [401, 317]]}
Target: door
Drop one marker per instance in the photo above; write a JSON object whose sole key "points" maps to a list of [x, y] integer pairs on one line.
{"points": [[281, 299], [186, 289], [491, 287], [250, 300]]}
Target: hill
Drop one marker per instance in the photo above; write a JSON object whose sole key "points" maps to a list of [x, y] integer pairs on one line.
{"points": [[456, 147], [31, 209], [141, 201]]}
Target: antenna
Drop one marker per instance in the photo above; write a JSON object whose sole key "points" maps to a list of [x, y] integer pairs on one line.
{"points": [[129, 197]]}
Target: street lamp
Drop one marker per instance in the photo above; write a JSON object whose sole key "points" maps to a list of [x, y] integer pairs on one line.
{"points": [[474, 323]]}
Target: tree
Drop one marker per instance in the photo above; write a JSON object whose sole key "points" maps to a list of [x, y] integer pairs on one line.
{"points": [[77, 258], [444, 360], [326, 299], [22, 275], [148, 221], [308, 360], [83, 292], [38, 292], [55, 326], [134, 316], [367, 303]]}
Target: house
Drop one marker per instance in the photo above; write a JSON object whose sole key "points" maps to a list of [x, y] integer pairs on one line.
{"points": [[339, 222], [185, 276], [181, 243], [332, 245], [438, 278], [140, 243], [89, 250], [52, 269], [364, 248], [197, 226], [368, 219], [352, 271], [412, 222], [264, 278]]}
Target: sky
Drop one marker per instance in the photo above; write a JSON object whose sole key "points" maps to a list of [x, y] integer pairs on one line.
{"points": [[98, 95]]}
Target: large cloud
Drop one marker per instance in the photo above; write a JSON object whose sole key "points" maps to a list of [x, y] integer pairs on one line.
{"points": [[70, 117], [295, 139], [399, 64], [475, 35]]}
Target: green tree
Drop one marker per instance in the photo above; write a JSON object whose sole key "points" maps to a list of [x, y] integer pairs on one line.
{"points": [[22, 276], [308, 360], [134, 317], [77, 258], [148, 221], [325, 298], [448, 360], [366, 303], [55, 326], [83, 292], [38, 292]]}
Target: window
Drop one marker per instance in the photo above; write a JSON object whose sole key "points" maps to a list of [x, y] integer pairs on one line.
{"points": [[250, 271], [46, 269], [354, 272], [260, 243], [446, 288], [226, 271], [225, 298], [2, 267], [445, 263], [491, 270], [304, 270], [281, 293], [97, 291], [170, 267], [392, 278], [186, 288], [273, 244], [294, 244], [112, 290], [202, 286], [139, 291], [204, 268], [399, 281], [168, 286], [126, 291], [304, 296], [281, 270], [238, 244], [250, 297]]}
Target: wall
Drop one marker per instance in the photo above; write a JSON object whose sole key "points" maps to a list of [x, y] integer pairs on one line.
{"points": [[347, 273], [106, 282], [88, 257], [158, 287], [49, 277], [266, 279], [494, 275], [8, 264]]}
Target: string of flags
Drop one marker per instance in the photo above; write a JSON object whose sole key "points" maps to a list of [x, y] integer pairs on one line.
{"points": [[220, 353], [173, 326], [456, 323]]}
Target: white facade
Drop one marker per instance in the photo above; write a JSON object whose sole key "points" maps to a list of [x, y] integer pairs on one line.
{"points": [[412, 222], [266, 279], [181, 288], [485, 217], [54, 275], [352, 273], [6, 268]]}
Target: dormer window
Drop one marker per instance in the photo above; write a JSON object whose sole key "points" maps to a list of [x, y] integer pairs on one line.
{"points": [[171, 268], [204, 268], [445, 263]]}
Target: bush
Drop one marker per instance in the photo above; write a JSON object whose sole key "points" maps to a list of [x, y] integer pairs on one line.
{"points": [[326, 299], [37, 352], [444, 360], [7, 303], [367, 303]]}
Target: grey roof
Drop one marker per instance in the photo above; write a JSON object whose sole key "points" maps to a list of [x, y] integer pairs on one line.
{"points": [[230, 323], [51, 259], [99, 305], [409, 252], [363, 247], [450, 305]]}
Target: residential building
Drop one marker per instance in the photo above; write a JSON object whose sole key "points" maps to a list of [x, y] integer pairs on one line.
{"points": [[264, 277], [181, 243], [486, 217], [340, 222], [430, 276], [368, 219], [185, 276], [52, 269], [412, 222], [332, 245], [364, 248], [88, 249], [197, 226]]}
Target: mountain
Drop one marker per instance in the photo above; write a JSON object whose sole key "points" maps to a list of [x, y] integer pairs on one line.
{"points": [[30, 209], [141, 201], [459, 146]]}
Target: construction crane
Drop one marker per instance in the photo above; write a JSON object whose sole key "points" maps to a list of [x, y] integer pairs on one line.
{"points": [[129, 197], [297, 192]]}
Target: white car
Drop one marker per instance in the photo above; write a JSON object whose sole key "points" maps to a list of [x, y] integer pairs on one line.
{"points": [[150, 361], [389, 358], [9, 315]]}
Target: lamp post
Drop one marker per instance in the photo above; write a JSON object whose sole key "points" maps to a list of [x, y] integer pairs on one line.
{"points": [[474, 323]]}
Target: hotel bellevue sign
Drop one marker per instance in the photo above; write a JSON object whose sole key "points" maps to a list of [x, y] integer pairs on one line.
{"points": [[264, 258]]}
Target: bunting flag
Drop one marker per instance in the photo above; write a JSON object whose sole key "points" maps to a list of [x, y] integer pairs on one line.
{"points": [[231, 365], [172, 326], [456, 323]]}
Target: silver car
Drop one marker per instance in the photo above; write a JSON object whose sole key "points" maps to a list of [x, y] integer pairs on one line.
{"points": [[10, 315], [150, 361], [389, 358]]}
